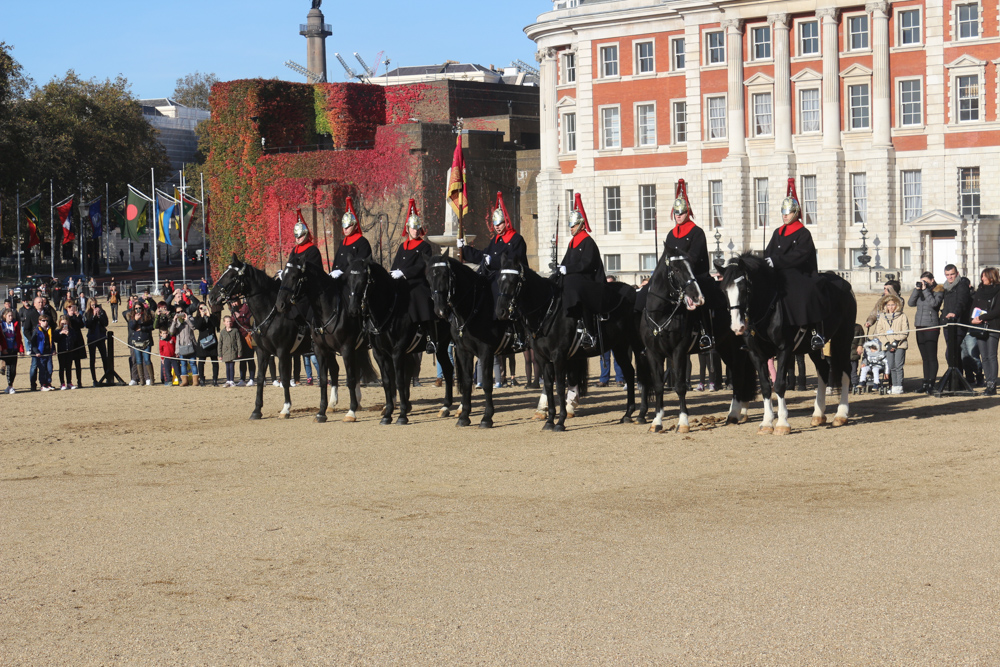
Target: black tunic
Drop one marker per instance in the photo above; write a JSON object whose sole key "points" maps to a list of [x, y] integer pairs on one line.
{"points": [[585, 279], [794, 257], [411, 259], [692, 245], [348, 252], [511, 244], [308, 252]]}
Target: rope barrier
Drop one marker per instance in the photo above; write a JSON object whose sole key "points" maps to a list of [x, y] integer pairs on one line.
{"points": [[157, 354]]}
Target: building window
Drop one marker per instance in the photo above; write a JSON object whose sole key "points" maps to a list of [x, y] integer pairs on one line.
{"points": [[762, 115], [808, 38], [611, 135], [968, 190], [857, 29], [647, 261], [760, 195], [809, 200], [570, 200], [904, 258], [609, 61], [645, 124], [968, 98], [677, 53], [859, 198], [761, 43], [913, 206], [909, 27], [911, 103], [680, 122], [647, 207], [613, 262], [715, 195], [569, 68], [644, 58], [716, 47], [809, 110], [860, 117], [716, 117], [968, 20], [613, 208], [569, 133]]}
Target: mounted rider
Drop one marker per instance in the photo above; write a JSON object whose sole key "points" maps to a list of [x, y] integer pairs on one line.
{"points": [[354, 246], [305, 249], [688, 239], [409, 265], [584, 282], [506, 241], [792, 254]]}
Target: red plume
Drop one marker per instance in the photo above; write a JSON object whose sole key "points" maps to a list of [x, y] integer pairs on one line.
{"points": [[350, 207], [500, 205], [411, 209], [790, 191], [680, 190], [578, 206]]}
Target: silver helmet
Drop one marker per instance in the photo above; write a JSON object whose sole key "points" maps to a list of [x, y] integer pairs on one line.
{"points": [[414, 222], [300, 230], [575, 218], [498, 218], [348, 220], [681, 206], [790, 205]]}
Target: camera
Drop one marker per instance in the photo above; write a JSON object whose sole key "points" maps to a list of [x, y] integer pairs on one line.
{"points": [[920, 284]]}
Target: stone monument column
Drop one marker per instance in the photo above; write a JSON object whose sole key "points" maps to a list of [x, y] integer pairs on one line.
{"points": [[831, 79], [315, 31], [782, 85], [734, 63]]}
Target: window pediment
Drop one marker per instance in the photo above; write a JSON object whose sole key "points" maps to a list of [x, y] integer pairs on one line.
{"points": [[759, 79], [566, 102], [965, 60], [807, 76], [856, 70]]}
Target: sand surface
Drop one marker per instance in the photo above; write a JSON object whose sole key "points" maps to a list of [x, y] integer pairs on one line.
{"points": [[159, 526]]}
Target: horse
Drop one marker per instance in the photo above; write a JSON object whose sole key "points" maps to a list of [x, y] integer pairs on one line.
{"points": [[753, 293], [553, 335], [333, 331], [465, 299], [274, 335], [669, 326], [382, 304]]}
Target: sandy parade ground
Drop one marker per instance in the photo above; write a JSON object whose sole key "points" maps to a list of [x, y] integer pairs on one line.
{"points": [[159, 526]]}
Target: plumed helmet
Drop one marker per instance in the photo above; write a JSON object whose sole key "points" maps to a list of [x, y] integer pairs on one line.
{"points": [[350, 217], [790, 204], [300, 230], [413, 220], [498, 218], [681, 206], [575, 218], [579, 214], [499, 215], [681, 203]]}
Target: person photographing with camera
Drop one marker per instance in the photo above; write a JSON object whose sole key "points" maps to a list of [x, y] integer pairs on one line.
{"points": [[184, 335], [927, 297]]}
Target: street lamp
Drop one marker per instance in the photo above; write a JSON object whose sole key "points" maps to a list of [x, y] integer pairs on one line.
{"points": [[718, 245], [864, 258]]}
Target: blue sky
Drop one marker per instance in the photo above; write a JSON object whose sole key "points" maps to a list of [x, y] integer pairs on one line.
{"points": [[152, 44]]}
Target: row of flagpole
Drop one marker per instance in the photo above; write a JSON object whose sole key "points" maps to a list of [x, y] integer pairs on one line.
{"points": [[131, 220]]}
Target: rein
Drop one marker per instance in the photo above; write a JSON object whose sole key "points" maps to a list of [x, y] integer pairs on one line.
{"points": [[372, 326], [476, 302], [549, 316], [656, 326]]}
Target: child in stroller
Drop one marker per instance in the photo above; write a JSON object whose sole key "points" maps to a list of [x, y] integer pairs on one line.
{"points": [[873, 368]]}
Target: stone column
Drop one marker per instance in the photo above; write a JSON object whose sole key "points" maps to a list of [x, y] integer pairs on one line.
{"points": [[316, 31], [881, 86], [831, 79], [734, 62], [782, 84], [549, 120]]}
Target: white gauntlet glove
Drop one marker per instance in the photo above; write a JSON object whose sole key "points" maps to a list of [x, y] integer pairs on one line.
{"points": [[486, 258], [336, 273], [562, 269], [397, 274], [459, 243], [770, 262]]}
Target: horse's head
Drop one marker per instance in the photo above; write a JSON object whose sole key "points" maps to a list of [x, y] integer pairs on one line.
{"points": [[683, 280], [293, 280], [231, 283], [509, 285], [736, 291], [358, 280], [441, 279]]}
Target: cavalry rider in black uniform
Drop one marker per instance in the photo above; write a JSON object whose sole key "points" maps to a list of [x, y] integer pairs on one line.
{"points": [[585, 282], [688, 239], [409, 264], [792, 253], [355, 246], [304, 248], [506, 241]]}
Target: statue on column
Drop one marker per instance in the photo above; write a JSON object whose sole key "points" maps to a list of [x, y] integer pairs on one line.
{"points": [[317, 3]]}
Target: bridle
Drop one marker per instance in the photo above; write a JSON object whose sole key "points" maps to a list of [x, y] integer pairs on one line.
{"points": [[366, 313], [235, 288], [549, 315], [657, 327], [450, 298]]}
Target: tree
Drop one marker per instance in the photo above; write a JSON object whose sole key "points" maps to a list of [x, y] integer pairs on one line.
{"points": [[194, 90]]}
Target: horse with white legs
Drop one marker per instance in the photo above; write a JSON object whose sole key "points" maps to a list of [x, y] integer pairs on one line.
{"points": [[753, 292], [670, 324]]}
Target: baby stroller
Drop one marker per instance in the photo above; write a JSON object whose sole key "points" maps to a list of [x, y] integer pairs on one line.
{"points": [[874, 372]]}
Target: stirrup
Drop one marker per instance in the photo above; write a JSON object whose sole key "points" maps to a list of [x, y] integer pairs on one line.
{"points": [[586, 340], [817, 341], [431, 348], [705, 343]]}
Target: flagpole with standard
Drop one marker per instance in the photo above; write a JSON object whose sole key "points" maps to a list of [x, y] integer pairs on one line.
{"points": [[52, 227], [19, 249], [156, 259], [184, 273], [80, 237], [104, 225], [204, 214]]}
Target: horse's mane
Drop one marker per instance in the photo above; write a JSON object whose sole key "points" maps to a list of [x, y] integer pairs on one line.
{"points": [[260, 277], [755, 267]]}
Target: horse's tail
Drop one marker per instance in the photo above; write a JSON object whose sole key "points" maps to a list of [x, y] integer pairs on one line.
{"points": [[578, 373], [364, 360]]}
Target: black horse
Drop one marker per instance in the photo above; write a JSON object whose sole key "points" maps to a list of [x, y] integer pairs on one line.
{"points": [[753, 293], [465, 299], [382, 305], [553, 335], [333, 331], [274, 335], [670, 325]]}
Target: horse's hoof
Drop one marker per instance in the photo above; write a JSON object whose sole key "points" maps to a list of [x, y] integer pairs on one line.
{"points": [[765, 430], [463, 422], [349, 419], [570, 415], [782, 430], [559, 428], [402, 421], [485, 424], [840, 421], [819, 421], [386, 421], [549, 426], [732, 420], [320, 419], [539, 416], [641, 419], [655, 428], [283, 415], [255, 415], [626, 420], [683, 428], [444, 412]]}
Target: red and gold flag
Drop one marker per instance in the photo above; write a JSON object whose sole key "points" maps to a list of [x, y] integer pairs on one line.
{"points": [[458, 195]]}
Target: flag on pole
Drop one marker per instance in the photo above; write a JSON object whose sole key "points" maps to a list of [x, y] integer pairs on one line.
{"points": [[118, 220], [33, 214], [458, 194], [190, 210], [164, 212], [96, 218], [65, 212], [136, 213]]}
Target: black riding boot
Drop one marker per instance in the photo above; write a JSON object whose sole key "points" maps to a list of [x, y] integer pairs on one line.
{"points": [[817, 341], [587, 340]]}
